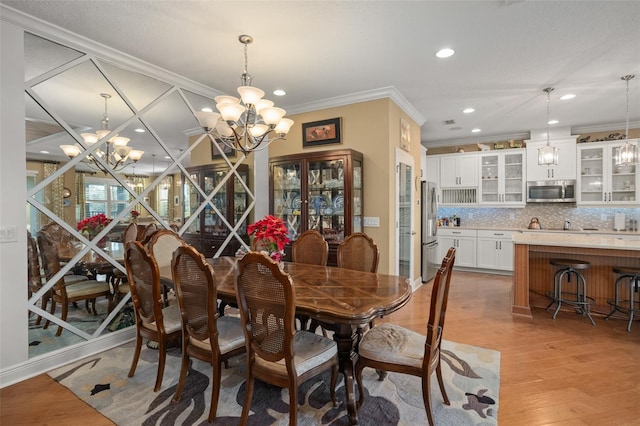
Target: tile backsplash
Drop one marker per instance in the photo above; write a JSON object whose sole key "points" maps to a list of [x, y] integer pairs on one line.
{"points": [[551, 215]]}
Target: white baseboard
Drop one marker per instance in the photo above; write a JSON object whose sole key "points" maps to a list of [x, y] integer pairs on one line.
{"points": [[416, 284], [49, 361]]}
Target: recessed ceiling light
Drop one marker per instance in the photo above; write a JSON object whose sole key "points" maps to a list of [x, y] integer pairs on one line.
{"points": [[476, 130], [567, 96], [166, 157], [468, 110], [445, 53], [553, 121], [44, 152], [139, 130], [206, 110], [279, 92]]}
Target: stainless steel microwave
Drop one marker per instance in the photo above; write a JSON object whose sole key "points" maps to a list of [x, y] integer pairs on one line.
{"points": [[551, 191]]}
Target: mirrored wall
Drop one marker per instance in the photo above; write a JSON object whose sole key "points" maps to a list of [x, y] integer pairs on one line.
{"points": [[70, 96]]}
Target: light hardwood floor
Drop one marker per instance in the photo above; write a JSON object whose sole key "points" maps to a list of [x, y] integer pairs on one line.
{"points": [[562, 372]]}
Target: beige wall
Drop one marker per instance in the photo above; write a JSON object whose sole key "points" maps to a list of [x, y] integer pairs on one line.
{"points": [[372, 128]]}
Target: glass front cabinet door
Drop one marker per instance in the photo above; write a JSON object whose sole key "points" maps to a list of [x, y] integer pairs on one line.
{"points": [[227, 202], [321, 191]]}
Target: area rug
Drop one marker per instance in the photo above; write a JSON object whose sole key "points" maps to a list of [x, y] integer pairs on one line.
{"points": [[471, 375]]}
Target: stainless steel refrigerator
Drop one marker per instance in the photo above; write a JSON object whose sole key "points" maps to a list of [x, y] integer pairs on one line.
{"points": [[430, 257]]}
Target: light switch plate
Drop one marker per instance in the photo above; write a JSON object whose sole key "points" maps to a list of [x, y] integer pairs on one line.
{"points": [[8, 234], [372, 222]]}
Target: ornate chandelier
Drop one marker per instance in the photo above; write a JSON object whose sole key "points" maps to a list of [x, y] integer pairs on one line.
{"points": [[116, 153], [246, 123], [627, 154], [548, 155]]}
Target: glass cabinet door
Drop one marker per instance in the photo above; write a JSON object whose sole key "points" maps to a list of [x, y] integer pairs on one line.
{"points": [[592, 174], [191, 202], [357, 196], [325, 207], [489, 178], [287, 201], [240, 201], [513, 178]]}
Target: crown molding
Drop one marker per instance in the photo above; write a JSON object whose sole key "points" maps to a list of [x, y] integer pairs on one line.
{"points": [[478, 139], [364, 96], [65, 37], [579, 130]]}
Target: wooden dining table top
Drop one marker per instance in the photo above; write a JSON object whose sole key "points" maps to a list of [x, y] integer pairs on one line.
{"points": [[326, 293]]}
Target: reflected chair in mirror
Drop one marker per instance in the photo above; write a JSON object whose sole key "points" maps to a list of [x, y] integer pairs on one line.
{"points": [[310, 248], [146, 233], [66, 291], [154, 321], [34, 275], [60, 237], [205, 335], [276, 352], [389, 347], [358, 252]]}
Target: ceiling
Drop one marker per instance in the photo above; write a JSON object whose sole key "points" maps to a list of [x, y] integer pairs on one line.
{"points": [[507, 52]]}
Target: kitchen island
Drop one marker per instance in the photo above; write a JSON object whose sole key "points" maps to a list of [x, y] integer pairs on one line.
{"points": [[533, 275]]}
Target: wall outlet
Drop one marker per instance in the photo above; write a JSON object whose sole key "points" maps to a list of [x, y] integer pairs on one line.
{"points": [[604, 217], [8, 234]]}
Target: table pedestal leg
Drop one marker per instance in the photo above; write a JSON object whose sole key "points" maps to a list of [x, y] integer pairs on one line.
{"points": [[346, 337]]}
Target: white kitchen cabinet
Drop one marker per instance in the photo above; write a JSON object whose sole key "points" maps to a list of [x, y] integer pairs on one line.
{"points": [[495, 250], [502, 178], [458, 171], [432, 174], [464, 240], [566, 168], [601, 182]]}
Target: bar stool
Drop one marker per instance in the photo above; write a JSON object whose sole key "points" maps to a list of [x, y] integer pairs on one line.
{"points": [[633, 275], [577, 298]]}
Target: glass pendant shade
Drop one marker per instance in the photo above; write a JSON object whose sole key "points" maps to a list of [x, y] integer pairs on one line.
{"points": [[70, 150], [208, 120], [283, 126], [548, 155], [627, 154], [226, 99], [272, 115], [231, 112], [250, 95]]}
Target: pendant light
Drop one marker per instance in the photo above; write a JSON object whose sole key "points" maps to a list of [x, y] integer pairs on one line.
{"points": [[548, 155], [627, 154]]}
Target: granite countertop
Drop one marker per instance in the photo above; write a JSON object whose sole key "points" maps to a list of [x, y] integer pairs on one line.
{"points": [[565, 239], [551, 230]]}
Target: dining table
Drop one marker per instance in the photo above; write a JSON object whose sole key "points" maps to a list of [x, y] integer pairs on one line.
{"points": [[341, 300]]}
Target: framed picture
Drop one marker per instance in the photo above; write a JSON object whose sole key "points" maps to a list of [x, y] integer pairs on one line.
{"points": [[215, 152], [405, 135], [321, 132], [147, 200], [176, 200]]}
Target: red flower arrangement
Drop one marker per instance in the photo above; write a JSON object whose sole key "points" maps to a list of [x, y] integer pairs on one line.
{"points": [[134, 213], [94, 224], [270, 235]]}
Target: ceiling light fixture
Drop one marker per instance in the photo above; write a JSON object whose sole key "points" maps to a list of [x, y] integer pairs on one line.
{"points": [[244, 124], [116, 152], [445, 53], [548, 155], [468, 110], [627, 154], [567, 97], [476, 130]]}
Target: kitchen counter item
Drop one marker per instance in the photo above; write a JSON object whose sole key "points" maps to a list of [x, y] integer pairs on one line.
{"points": [[534, 224], [619, 222]]}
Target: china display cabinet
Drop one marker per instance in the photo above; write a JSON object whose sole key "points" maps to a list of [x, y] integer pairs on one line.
{"points": [[502, 178], [318, 190], [208, 231], [601, 181]]}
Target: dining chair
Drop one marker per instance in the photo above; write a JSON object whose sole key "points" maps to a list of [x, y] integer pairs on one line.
{"points": [[68, 289], [205, 335], [119, 279], [276, 352], [154, 321], [60, 237], [311, 248], [161, 244], [390, 347], [358, 252], [149, 230]]}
